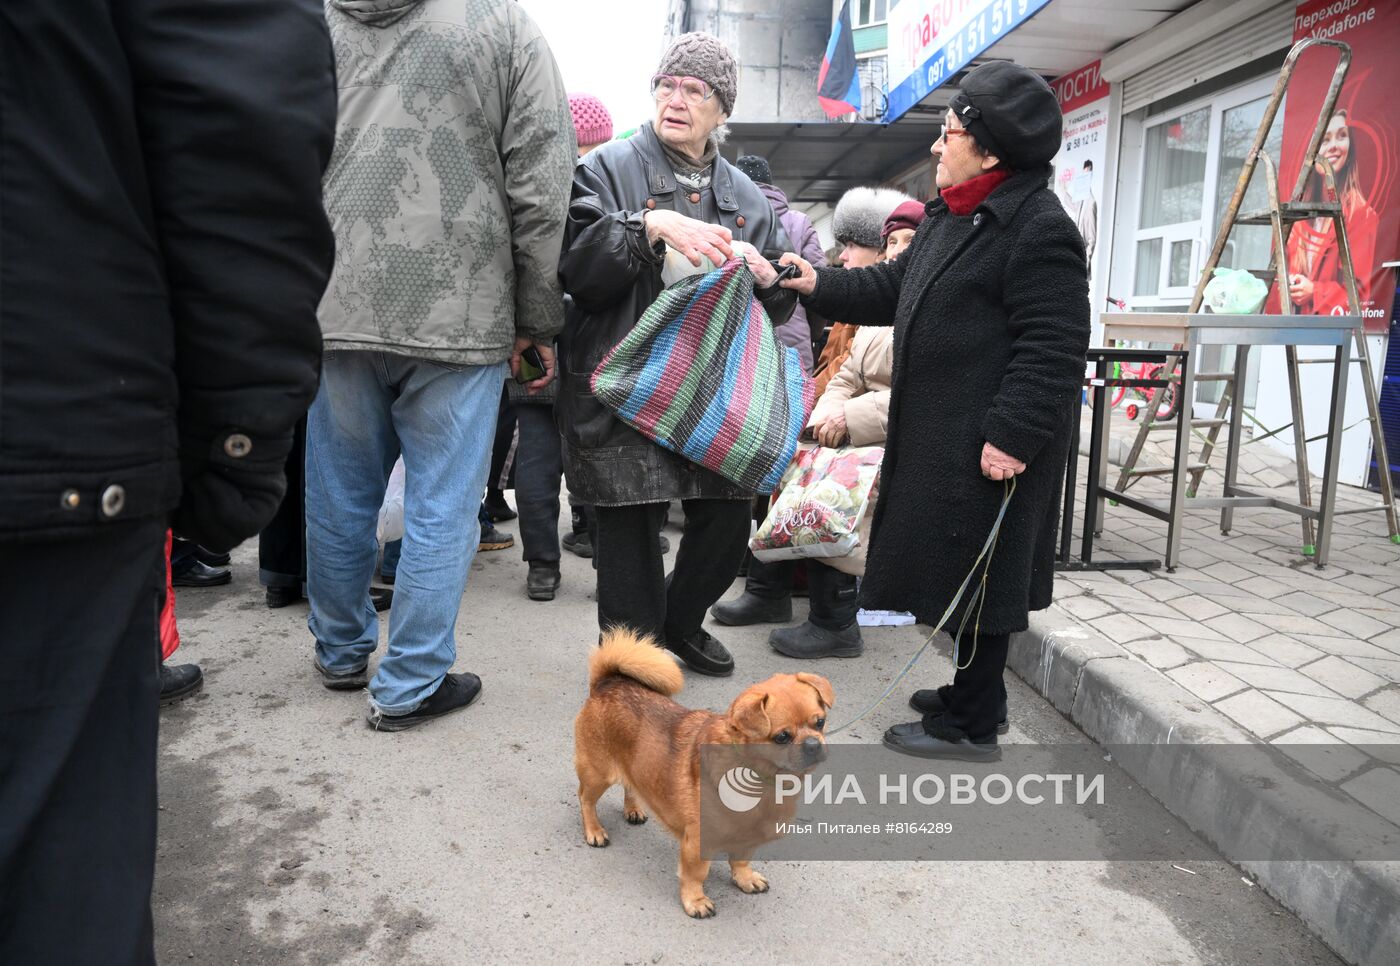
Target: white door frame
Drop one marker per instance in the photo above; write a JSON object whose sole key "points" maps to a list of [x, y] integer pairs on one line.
{"points": [[1200, 232]]}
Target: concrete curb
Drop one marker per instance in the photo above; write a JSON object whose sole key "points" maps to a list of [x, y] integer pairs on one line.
{"points": [[1118, 700]]}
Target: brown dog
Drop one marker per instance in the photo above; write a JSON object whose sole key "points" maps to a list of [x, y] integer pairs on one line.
{"points": [[631, 732]]}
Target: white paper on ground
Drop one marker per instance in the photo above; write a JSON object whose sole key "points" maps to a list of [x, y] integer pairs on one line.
{"points": [[883, 618]]}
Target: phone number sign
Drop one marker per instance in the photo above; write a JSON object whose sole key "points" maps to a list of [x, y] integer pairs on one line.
{"points": [[931, 40]]}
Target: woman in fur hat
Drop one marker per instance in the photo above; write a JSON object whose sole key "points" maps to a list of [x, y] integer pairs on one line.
{"points": [[858, 224]]}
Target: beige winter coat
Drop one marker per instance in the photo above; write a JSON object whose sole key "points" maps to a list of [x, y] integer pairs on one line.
{"points": [[862, 387]]}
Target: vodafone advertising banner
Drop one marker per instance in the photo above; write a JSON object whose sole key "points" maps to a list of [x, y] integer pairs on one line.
{"points": [[1079, 167], [1362, 146]]}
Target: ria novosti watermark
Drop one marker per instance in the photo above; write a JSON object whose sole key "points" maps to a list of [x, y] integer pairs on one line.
{"points": [[1039, 802], [741, 789]]}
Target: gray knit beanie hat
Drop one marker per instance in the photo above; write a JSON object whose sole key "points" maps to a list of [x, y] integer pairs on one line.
{"points": [[860, 215], [702, 55]]}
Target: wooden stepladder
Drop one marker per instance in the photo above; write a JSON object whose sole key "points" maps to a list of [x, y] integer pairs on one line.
{"points": [[1281, 216]]}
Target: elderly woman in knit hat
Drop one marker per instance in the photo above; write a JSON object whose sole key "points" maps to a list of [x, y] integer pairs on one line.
{"points": [[990, 308], [644, 212]]}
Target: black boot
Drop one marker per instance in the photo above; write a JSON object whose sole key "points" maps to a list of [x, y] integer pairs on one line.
{"points": [[496, 506], [211, 559], [179, 682], [703, 654], [933, 702], [751, 609], [831, 629], [808, 641], [934, 738], [282, 596], [542, 580], [201, 575], [455, 693]]}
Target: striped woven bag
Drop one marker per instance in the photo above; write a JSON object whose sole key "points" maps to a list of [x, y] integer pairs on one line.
{"points": [[702, 374]]}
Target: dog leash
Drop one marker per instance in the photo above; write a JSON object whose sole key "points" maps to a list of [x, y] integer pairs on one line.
{"points": [[979, 597]]}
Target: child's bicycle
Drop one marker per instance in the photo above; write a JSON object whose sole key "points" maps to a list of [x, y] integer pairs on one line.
{"points": [[1167, 407]]}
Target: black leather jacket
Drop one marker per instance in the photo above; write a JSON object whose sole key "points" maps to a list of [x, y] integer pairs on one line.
{"points": [[612, 275]]}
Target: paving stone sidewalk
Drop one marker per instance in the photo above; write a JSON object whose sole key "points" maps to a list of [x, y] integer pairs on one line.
{"points": [[1293, 654]]}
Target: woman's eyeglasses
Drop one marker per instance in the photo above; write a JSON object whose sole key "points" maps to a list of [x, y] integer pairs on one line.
{"points": [[945, 132], [693, 90]]}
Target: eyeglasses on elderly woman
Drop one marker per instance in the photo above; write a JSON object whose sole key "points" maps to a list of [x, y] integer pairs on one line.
{"points": [[693, 90], [945, 132]]}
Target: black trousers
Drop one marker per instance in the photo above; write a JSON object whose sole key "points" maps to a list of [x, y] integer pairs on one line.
{"points": [[832, 594], [282, 544], [633, 588], [979, 693], [79, 659], [539, 468], [502, 474]]}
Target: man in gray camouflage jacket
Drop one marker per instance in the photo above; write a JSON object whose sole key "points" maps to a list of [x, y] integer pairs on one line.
{"points": [[447, 192]]}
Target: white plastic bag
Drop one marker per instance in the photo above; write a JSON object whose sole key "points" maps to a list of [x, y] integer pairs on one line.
{"points": [[1233, 291], [822, 505], [391, 513]]}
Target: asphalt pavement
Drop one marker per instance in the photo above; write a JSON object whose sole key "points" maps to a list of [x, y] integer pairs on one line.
{"points": [[290, 833]]}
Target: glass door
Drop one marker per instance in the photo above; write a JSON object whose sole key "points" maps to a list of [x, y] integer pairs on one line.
{"points": [[1239, 113], [1192, 157], [1171, 210]]}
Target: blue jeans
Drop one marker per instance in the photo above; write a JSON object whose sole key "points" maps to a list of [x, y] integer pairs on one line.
{"points": [[371, 406]]}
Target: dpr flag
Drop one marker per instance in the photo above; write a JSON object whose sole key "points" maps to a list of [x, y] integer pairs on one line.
{"points": [[838, 84]]}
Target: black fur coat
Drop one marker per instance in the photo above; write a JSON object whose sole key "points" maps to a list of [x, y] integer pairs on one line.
{"points": [[991, 317]]}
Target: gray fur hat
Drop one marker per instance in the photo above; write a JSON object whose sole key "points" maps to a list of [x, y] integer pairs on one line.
{"points": [[702, 55], [861, 213]]}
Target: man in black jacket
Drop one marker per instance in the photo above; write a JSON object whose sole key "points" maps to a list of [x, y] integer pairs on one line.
{"points": [[162, 253]]}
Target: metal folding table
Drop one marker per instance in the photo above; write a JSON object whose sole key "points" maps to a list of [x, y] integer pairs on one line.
{"points": [[1101, 357], [1190, 332]]}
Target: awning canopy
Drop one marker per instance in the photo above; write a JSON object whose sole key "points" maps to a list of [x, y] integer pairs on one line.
{"points": [[815, 162]]}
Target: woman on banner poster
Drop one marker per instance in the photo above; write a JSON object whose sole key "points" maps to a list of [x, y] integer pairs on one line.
{"points": [[1315, 283]]}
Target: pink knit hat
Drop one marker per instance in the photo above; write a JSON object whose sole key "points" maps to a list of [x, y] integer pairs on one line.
{"points": [[592, 122]]}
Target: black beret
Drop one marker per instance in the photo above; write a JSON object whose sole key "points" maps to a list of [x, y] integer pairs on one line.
{"points": [[1012, 113]]}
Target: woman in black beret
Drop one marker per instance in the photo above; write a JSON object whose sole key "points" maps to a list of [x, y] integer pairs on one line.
{"points": [[991, 313]]}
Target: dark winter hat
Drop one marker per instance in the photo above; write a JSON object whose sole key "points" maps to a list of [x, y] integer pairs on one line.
{"points": [[702, 55], [592, 122], [908, 215], [756, 168], [1012, 113], [860, 214]]}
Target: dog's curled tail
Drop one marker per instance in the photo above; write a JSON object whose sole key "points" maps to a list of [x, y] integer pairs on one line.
{"points": [[635, 656]]}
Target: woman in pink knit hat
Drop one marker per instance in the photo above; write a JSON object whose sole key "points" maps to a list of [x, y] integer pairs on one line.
{"points": [[593, 125], [537, 456]]}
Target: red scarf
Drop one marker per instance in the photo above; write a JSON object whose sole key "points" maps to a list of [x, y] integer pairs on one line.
{"points": [[961, 198]]}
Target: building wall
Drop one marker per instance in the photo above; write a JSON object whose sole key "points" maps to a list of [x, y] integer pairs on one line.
{"points": [[779, 46]]}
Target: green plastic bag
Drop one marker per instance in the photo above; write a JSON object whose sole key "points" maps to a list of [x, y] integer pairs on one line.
{"points": [[1233, 291]]}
